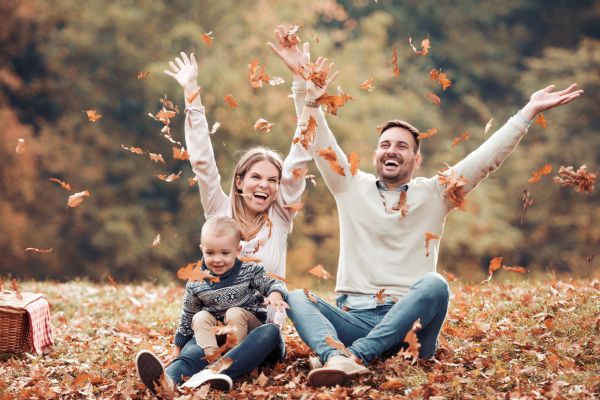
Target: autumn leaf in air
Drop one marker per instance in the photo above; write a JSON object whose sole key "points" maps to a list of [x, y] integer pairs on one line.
{"points": [[62, 184], [582, 180], [488, 126], [428, 134], [250, 260], [299, 172], [230, 101], [338, 346], [156, 157], [428, 238], [208, 38], [276, 80], [278, 277], [395, 62], [353, 161], [92, 115], [310, 296], [310, 73], [36, 250], [262, 124], [215, 127], [333, 102], [412, 351], [463, 137], [156, 240], [527, 202], [541, 121], [133, 149], [441, 77], [454, 192], [329, 155], [257, 75], [537, 175], [142, 75], [495, 265], [20, 149], [368, 85], [290, 36], [194, 272], [380, 296], [112, 281], [294, 206], [77, 198], [320, 272], [221, 365], [180, 154], [433, 98], [402, 206], [425, 46], [518, 269], [166, 114], [195, 93], [450, 277], [169, 178]]}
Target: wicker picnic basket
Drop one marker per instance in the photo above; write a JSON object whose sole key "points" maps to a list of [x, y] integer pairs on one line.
{"points": [[14, 326]]}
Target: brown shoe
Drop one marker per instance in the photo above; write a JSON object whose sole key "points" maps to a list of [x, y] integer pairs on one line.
{"points": [[337, 371]]}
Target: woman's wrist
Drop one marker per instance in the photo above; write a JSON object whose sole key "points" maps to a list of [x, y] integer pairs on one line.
{"points": [[311, 102]]}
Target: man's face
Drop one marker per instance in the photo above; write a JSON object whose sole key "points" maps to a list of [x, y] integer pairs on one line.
{"points": [[395, 158], [219, 252]]}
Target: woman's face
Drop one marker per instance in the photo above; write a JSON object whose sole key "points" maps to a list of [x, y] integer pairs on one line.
{"points": [[259, 187]]}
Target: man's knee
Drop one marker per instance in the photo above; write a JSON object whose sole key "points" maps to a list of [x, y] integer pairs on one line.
{"points": [[436, 287], [202, 319]]}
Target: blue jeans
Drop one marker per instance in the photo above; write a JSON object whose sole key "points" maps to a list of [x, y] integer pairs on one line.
{"points": [[369, 333], [262, 344]]}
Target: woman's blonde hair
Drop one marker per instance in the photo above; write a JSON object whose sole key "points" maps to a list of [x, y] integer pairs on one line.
{"points": [[250, 227]]}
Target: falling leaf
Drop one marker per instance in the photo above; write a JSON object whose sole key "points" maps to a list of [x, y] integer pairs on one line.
{"points": [[257, 75], [582, 180], [276, 80], [433, 98], [35, 249], [290, 37], [541, 121], [230, 100], [299, 172], [92, 115], [294, 206], [320, 272], [441, 77], [450, 277], [278, 277], [208, 38], [262, 124], [428, 134], [221, 365], [537, 175], [166, 114], [215, 127], [310, 296], [428, 238], [488, 126], [262, 380], [464, 136], [520, 270], [194, 272], [156, 240], [338, 346], [311, 72], [192, 181], [527, 202], [329, 155], [112, 282], [136, 150], [142, 75], [368, 85], [156, 157], [20, 149], [454, 188], [195, 93], [180, 154], [169, 178], [495, 265], [353, 161], [425, 46], [395, 62], [62, 184], [401, 206], [169, 105], [380, 296], [251, 260], [412, 352], [77, 198], [333, 102], [316, 37], [591, 258], [307, 134]]}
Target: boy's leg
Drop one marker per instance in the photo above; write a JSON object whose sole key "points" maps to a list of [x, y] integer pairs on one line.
{"points": [[315, 321], [428, 301], [202, 322], [242, 321], [190, 361]]}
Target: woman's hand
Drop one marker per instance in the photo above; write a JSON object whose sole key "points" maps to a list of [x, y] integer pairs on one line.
{"points": [[325, 71], [276, 300], [547, 98], [185, 71]]}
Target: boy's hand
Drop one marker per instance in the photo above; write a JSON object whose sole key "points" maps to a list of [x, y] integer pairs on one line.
{"points": [[276, 300], [174, 354]]}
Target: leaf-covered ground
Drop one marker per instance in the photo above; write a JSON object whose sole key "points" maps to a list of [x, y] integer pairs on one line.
{"points": [[510, 341]]}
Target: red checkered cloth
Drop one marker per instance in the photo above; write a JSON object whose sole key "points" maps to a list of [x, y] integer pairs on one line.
{"points": [[41, 330]]}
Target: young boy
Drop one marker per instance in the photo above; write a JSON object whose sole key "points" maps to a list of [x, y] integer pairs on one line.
{"points": [[237, 299]]}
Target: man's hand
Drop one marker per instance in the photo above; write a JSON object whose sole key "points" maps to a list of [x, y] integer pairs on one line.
{"points": [[547, 98], [290, 55], [174, 354], [275, 300], [185, 72]]}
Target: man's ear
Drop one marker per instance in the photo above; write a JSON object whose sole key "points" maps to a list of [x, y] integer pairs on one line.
{"points": [[418, 159], [374, 159]]}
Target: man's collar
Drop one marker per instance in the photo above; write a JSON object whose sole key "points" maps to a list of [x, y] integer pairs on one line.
{"points": [[382, 186]]}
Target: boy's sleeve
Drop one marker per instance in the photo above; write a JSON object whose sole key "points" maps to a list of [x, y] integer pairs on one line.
{"points": [[191, 305], [265, 284]]}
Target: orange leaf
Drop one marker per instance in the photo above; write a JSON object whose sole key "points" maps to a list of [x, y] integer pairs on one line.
{"points": [[136, 150], [112, 281], [278, 277], [354, 161], [92, 115], [412, 352], [527, 202], [425, 46], [62, 184], [221, 365], [450, 277], [208, 38], [537, 175], [251, 259], [401, 206], [35, 249], [142, 75], [20, 149], [582, 180], [192, 181], [257, 75], [165, 114], [329, 155], [320, 272], [193, 95], [262, 124], [338, 346], [433, 98], [290, 37], [380, 296], [307, 134], [428, 238], [230, 100], [294, 206], [541, 121], [495, 265], [428, 134], [454, 188], [395, 62], [299, 172], [156, 157], [441, 77], [310, 296], [310, 72], [169, 178], [194, 272], [180, 154], [520, 270], [333, 102], [464, 136], [368, 85], [77, 198]]}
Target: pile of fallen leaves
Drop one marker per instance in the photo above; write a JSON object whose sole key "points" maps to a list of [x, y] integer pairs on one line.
{"points": [[528, 340]]}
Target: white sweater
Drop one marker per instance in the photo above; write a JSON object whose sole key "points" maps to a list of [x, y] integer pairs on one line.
{"points": [[380, 249]]}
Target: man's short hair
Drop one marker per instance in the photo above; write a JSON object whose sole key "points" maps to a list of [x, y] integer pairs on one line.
{"points": [[396, 123], [221, 226]]}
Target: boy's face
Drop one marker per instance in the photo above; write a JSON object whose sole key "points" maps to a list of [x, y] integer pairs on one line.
{"points": [[220, 252]]}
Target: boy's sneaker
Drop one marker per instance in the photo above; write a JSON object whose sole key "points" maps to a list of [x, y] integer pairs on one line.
{"points": [[216, 381], [337, 371], [151, 372]]}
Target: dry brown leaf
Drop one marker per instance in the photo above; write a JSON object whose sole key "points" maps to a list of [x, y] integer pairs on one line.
{"points": [[195, 93], [257, 75], [428, 134], [516, 268], [454, 188], [180, 154], [338, 346], [402, 206], [112, 281], [541, 121], [368, 85], [488, 126], [169, 178], [582, 180], [450, 277], [333, 102], [310, 296], [441, 77], [208, 38], [495, 265], [142, 75], [320, 272], [77, 198], [156, 240], [290, 36], [35, 249], [425, 46], [20, 149], [165, 114], [395, 62], [230, 101], [380, 296], [464, 136], [294, 206], [307, 134], [221, 365], [310, 72], [156, 157], [92, 115], [136, 150], [353, 162], [329, 155], [299, 172], [537, 175], [433, 98], [527, 202], [192, 181], [262, 124], [428, 238], [62, 184], [278, 277], [194, 272], [412, 352]]}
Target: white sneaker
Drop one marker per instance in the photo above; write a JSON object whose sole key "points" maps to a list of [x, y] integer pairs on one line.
{"points": [[314, 362], [217, 381], [337, 371]]}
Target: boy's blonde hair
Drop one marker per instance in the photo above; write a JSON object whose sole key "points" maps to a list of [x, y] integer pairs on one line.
{"points": [[220, 226]]}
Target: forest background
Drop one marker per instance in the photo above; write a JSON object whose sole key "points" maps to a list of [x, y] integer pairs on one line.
{"points": [[60, 58]]}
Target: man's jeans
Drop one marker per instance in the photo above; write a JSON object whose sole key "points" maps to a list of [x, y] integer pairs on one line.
{"points": [[369, 333], [262, 344]]}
